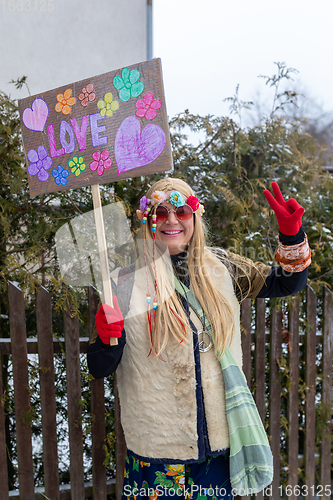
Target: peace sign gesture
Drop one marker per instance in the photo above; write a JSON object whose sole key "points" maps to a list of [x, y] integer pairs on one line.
{"points": [[288, 213]]}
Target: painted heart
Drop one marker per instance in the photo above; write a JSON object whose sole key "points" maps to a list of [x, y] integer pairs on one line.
{"points": [[34, 118], [133, 148]]}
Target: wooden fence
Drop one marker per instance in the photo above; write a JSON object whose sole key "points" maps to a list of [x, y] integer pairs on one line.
{"points": [[260, 351]]}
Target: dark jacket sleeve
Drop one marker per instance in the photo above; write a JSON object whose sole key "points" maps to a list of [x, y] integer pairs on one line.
{"points": [[255, 279], [280, 283], [103, 359]]}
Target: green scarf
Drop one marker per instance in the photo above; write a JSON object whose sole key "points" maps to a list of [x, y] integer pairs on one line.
{"points": [[251, 460]]}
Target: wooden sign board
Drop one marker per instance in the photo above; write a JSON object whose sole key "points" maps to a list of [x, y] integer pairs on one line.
{"points": [[102, 129]]}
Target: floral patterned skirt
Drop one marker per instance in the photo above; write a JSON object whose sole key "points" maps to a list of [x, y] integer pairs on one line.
{"points": [[207, 480]]}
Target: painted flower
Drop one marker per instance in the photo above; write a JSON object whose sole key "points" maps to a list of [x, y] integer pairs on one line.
{"points": [[158, 197], [77, 165], [180, 481], [173, 470], [108, 106], [202, 209], [101, 161], [193, 202], [176, 199], [145, 483], [155, 496], [65, 102], [87, 94], [128, 84], [40, 163], [60, 175], [143, 203], [147, 106]]}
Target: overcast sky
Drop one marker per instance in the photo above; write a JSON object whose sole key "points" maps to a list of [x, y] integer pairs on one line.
{"points": [[208, 47]]}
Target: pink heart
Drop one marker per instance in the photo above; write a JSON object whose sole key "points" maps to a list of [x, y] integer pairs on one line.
{"points": [[134, 149], [34, 118]]}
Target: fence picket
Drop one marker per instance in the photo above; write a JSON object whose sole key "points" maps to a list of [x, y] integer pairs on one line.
{"points": [[325, 465], [98, 414], [71, 327], [3, 454], [293, 405], [275, 395], [21, 392], [310, 378], [47, 393]]}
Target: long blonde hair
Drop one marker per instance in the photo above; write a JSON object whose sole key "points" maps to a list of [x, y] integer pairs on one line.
{"points": [[171, 318]]}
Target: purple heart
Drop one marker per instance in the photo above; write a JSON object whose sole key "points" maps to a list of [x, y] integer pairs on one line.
{"points": [[134, 149], [34, 118]]}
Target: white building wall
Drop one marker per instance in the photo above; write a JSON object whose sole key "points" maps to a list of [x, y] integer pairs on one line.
{"points": [[54, 42]]}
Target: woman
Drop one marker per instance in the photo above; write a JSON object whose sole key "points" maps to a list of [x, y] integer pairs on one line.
{"points": [[183, 400]]}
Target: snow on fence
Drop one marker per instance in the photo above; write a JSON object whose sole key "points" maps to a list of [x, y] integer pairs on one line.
{"points": [[260, 351]]}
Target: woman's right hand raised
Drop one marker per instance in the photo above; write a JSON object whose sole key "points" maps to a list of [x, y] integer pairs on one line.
{"points": [[109, 322]]}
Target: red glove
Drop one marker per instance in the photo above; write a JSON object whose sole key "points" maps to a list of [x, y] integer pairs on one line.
{"points": [[109, 322], [288, 213]]}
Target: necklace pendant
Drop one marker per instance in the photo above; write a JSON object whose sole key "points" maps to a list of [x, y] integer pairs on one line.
{"points": [[205, 342]]}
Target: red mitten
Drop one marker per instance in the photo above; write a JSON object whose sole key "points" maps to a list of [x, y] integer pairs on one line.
{"points": [[109, 322], [288, 213]]}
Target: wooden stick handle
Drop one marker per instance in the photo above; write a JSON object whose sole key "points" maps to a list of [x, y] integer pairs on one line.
{"points": [[103, 255]]}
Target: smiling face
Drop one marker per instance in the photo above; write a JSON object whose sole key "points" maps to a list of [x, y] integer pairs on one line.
{"points": [[174, 233]]}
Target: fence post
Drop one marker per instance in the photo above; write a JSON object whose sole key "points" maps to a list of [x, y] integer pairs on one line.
{"points": [[98, 415], [47, 393], [325, 465], [275, 395], [3, 455], [21, 392], [293, 404], [73, 375], [310, 379]]}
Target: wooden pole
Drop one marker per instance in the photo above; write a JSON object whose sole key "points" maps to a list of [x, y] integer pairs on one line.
{"points": [[103, 255]]}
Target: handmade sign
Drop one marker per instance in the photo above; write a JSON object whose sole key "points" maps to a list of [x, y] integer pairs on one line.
{"points": [[102, 129]]}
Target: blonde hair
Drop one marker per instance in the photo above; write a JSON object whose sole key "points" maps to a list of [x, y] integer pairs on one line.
{"points": [[171, 318]]}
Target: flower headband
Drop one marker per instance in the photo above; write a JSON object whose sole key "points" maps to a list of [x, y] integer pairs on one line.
{"points": [[175, 199]]}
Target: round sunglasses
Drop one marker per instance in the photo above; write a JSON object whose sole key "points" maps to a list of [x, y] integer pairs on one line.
{"points": [[183, 213]]}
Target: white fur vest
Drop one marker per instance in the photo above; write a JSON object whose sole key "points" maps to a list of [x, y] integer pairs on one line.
{"points": [[158, 396]]}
